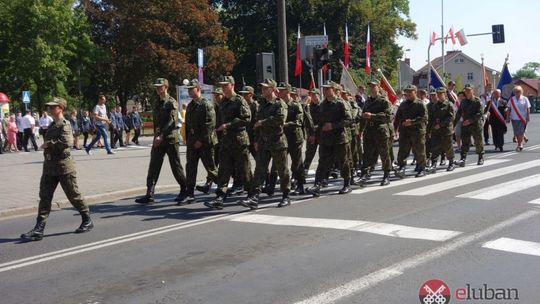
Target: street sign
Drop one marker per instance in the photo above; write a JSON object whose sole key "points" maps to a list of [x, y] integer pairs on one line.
{"points": [[26, 96], [498, 33], [319, 40]]}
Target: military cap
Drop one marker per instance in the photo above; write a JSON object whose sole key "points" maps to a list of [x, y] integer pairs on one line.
{"points": [[226, 80], [269, 83], [57, 101], [451, 82], [194, 83], [441, 90], [410, 88], [284, 86], [432, 92], [247, 89], [294, 91], [217, 91], [373, 82], [421, 91], [315, 91], [161, 82], [331, 84], [468, 86]]}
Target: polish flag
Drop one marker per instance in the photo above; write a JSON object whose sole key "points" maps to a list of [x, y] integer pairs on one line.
{"points": [[433, 38], [391, 94], [324, 67], [368, 53], [450, 35], [346, 47], [298, 67], [311, 82], [461, 37]]}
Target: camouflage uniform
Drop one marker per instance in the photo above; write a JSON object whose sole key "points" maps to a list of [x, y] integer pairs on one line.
{"points": [[471, 110], [295, 139], [311, 148], [356, 143], [441, 114]]}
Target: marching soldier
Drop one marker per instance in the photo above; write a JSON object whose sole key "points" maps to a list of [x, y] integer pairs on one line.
{"points": [[200, 139], [58, 167], [470, 109], [411, 119], [295, 135], [234, 149], [271, 143], [166, 141], [312, 133], [334, 138], [248, 92], [440, 129], [356, 114], [376, 118]]}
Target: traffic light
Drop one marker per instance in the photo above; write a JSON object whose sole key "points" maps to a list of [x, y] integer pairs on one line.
{"points": [[321, 57], [497, 31]]}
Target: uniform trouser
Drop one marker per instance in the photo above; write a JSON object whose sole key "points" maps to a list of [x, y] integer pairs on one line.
{"points": [[29, 134], [297, 165], [85, 138], [429, 147], [48, 185], [497, 130], [354, 151], [156, 161], [442, 145], [231, 160], [330, 155], [206, 155], [416, 141], [486, 132], [475, 131], [137, 132], [376, 145], [279, 162], [311, 149], [116, 136]]}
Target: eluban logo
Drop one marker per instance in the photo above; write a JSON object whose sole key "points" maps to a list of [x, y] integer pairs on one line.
{"points": [[486, 293], [434, 291]]}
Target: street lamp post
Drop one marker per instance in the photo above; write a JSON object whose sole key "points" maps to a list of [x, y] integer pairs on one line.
{"points": [[282, 41], [494, 73]]}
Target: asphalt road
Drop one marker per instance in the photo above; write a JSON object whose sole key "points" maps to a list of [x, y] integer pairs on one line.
{"points": [[474, 226]]}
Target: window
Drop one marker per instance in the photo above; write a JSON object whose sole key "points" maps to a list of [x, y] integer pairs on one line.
{"points": [[458, 60], [470, 76]]}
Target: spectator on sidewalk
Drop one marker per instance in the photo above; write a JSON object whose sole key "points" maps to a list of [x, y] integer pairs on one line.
{"points": [[519, 109], [86, 127], [27, 124], [101, 121], [20, 133], [12, 134], [4, 143], [75, 129], [128, 127], [136, 122], [497, 112], [44, 123]]}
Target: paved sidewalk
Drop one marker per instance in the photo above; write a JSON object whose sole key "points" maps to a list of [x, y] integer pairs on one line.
{"points": [[101, 177]]}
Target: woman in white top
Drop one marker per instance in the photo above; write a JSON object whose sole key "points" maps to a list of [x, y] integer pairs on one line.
{"points": [[519, 109]]}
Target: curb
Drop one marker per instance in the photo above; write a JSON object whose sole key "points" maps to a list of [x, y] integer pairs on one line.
{"points": [[90, 200]]}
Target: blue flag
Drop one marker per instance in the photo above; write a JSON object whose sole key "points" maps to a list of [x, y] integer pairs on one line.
{"points": [[505, 83], [436, 80]]}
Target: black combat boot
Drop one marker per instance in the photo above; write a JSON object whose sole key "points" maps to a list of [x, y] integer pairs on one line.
{"points": [[480, 160], [251, 202], [148, 199], [299, 189], [216, 204], [181, 196], [433, 168], [35, 234], [400, 172], [315, 190], [346, 187], [86, 224], [450, 165], [386, 178], [285, 201], [204, 188], [421, 172], [270, 187], [461, 162], [443, 160], [187, 199]]}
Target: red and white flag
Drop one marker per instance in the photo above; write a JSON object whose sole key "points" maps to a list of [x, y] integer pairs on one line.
{"points": [[450, 35], [391, 94], [298, 66], [461, 37], [324, 67], [368, 53], [432, 38], [311, 82], [346, 47], [486, 77]]}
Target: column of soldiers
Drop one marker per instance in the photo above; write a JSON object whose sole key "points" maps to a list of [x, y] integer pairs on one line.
{"points": [[350, 138]]}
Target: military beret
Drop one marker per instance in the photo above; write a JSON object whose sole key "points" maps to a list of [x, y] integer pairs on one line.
{"points": [[226, 80], [194, 83], [410, 88], [469, 86], [57, 101], [161, 82], [441, 90], [269, 83], [284, 86], [247, 89]]}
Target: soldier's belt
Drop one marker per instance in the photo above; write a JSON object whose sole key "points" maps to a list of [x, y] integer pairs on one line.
{"points": [[374, 123], [62, 156]]}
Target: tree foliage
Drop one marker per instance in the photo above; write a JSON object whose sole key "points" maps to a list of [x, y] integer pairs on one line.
{"points": [[529, 70]]}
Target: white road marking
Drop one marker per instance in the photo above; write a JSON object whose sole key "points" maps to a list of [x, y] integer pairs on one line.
{"points": [[406, 181], [504, 189], [504, 155], [458, 182], [399, 231], [515, 246], [536, 201], [379, 276]]}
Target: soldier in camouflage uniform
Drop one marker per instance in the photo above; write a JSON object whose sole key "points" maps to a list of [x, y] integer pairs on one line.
{"points": [[234, 151], [247, 92], [356, 114], [201, 137], [411, 119], [441, 129], [312, 134], [166, 141], [376, 117], [58, 167], [294, 134], [334, 138], [271, 144], [470, 109]]}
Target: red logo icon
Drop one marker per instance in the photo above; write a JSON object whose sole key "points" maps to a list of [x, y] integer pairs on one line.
{"points": [[434, 291]]}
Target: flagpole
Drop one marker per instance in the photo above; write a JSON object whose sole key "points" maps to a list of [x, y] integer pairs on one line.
{"points": [[442, 34], [483, 74]]}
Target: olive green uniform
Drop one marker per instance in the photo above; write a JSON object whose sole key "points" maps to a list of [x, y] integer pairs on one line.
{"points": [[441, 114], [59, 167], [413, 136], [376, 133], [471, 109], [253, 107], [272, 144], [356, 143], [295, 138], [311, 148], [234, 148], [165, 114], [200, 127]]}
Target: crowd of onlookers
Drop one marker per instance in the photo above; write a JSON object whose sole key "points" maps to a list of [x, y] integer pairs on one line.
{"points": [[18, 130]]}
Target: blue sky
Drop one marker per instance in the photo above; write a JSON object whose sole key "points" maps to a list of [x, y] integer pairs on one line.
{"points": [[520, 19]]}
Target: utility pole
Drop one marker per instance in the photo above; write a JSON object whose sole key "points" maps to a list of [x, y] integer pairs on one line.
{"points": [[442, 44], [282, 42]]}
